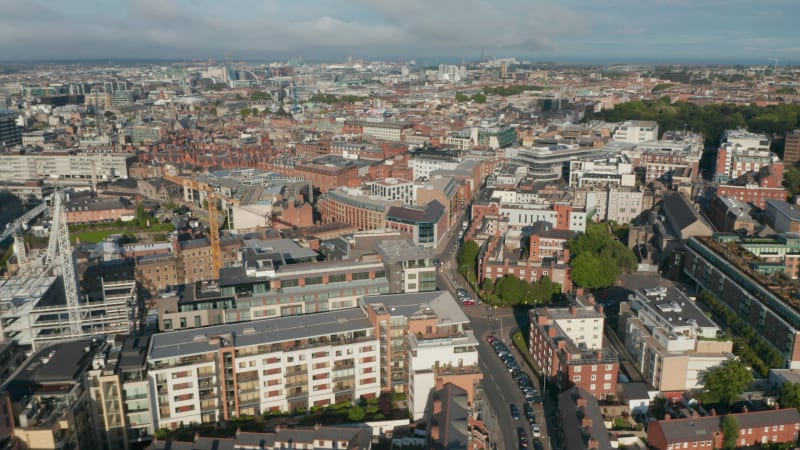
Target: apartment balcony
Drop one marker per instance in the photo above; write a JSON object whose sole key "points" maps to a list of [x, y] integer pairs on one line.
{"points": [[458, 370], [296, 384], [296, 395]]}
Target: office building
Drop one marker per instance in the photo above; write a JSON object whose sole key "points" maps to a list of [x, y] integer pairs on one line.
{"points": [[601, 170], [424, 225], [409, 268], [354, 208], [782, 216], [10, 133], [64, 167]]}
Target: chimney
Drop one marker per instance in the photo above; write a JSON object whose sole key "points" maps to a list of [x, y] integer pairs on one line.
{"points": [[667, 416], [552, 332], [590, 298], [579, 291], [437, 406], [586, 422], [573, 310]]}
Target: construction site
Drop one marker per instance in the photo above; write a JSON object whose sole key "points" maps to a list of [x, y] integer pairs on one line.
{"points": [[44, 300]]}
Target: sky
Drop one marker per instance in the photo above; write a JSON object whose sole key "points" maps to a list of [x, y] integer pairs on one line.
{"points": [[676, 31]]}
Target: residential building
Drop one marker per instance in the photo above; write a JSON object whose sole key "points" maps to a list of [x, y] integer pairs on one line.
{"points": [[636, 131], [624, 204], [425, 343], [582, 421], [425, 161], [791, 148], [772, 314], [352, 207], [452, 73], [678, 220], [757, 188], [782, 216], [561, 215], [661, 160], [280, 364], [10, 133], [318, 437], [447, 418], [741, 152], [409, 268], [548, 243], [672, 341], [567, 343], [424, 225], [273, 279], [777, 253], [164, 191], [774, 426], [496, 260], [51, 399]]}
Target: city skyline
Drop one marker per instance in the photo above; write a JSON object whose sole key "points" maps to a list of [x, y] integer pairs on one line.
{"points": [[569, 31]]}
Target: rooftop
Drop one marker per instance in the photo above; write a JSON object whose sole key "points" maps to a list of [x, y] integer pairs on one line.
{"points": [[281, 329], [400, 250], [674, 307], [440, 304]]}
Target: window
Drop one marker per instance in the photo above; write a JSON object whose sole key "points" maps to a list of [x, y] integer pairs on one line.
{"points": [[594, 377], [577, 369], [313, 280], [607, 377], [167, 324], [197, 321], [594, 368], [608, 367], [607, 386], [576, 378], [337, 278], [183, 322]]}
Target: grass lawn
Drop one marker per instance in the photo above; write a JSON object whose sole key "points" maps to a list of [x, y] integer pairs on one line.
{"points": [[93, 236]]}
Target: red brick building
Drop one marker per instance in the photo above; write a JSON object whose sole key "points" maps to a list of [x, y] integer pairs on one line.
{"points": [[91, 210], [755, 428], [756, 188], [360, 211], [327, 177], [567, 343]]}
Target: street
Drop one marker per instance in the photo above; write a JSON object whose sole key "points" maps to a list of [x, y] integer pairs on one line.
{"points": [[500, 389]]}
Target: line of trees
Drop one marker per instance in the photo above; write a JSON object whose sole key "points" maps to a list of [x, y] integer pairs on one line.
{"points": [[331, 99], [477, 98], [505, 91], [711, 120], [748, 345], [598, 259]]}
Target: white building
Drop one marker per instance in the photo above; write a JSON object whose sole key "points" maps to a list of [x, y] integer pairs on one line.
{"points": [[394, 189], [522, 214], [64, 166], [452, 73], [423, 165], [209, 374], [624, 204], [601, 170], [635, 131]]}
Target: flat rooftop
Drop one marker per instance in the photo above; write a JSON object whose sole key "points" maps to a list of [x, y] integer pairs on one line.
{"points": [[281, 329], [439, 303], [674, 307], [400, 250]]}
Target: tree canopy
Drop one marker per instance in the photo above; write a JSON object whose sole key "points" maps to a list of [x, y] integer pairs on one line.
{"points": [[710, 120], [505, 91], [725, 382], [730, 431], [468, 259], [791, 180], [510, 290], [789, 395], [598, 258], [260, 95]]}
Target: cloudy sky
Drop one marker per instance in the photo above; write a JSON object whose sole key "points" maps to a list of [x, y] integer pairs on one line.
{"points": [[552, 30]]}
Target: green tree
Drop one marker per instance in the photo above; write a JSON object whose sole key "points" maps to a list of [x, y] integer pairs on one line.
{"points": [[789, 395], [621, 254], [488, 285], [791, 180], [594, 272], [725, 382], [356, 414], [479, 98], [461, 98], [260, 95], [730, 431], [468, 259], [542, 291], [244, 112]]}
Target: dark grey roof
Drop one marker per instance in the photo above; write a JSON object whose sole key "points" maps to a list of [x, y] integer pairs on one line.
{"points": [[134, 353], [575, 435], [679, 210], [430, 213], [281, 329], [452, 419], [635, 391], [357, 437]]}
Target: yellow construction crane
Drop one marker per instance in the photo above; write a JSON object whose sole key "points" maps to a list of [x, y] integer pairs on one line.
{"points": [[213, 216]]}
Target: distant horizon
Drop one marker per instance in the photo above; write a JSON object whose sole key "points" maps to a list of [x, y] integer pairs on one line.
{"points": [[565, 31], [588, 61]]}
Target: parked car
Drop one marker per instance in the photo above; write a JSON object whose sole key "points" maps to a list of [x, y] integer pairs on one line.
{"points": [[514, 412], [537, 445], [523, 438], [535, 430], [529, 412]]}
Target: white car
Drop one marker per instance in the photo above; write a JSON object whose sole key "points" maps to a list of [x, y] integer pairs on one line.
{"points": [[535, 431]]}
